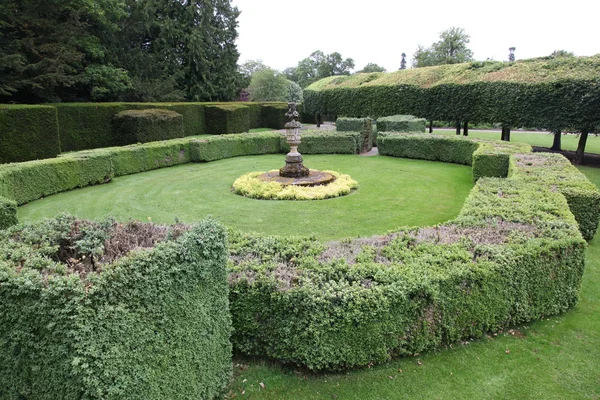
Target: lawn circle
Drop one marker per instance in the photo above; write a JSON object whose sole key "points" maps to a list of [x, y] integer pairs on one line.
{"points": [[269, 186]]}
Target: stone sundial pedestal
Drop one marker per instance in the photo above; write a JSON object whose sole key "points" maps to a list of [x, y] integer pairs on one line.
{"points": [[294, 172]]}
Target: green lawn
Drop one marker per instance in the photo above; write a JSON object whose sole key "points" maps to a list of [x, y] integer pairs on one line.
{"points": [[558, 358], [392, 193], [569, 141]]}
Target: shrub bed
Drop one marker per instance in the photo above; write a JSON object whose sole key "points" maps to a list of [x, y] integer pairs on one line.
{"points": [[83, 317], [148, 125], [250, 186], [28, 133]]}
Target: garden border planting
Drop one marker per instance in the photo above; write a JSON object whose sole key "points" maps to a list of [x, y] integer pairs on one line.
{"points": [[514, 254]]}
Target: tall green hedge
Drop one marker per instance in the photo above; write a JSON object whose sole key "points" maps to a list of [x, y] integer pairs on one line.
{"points": [[153, 325], [273, 115], [28, 133], [148, 125], [548, 93], [221, 119]]}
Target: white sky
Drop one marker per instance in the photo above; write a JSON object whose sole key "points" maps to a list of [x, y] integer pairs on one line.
{"points": [[281, 32]]}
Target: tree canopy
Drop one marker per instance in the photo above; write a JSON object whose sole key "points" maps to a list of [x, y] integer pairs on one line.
{"points": [[142, 50], [371, 67], [318, 66], [450, 49]]}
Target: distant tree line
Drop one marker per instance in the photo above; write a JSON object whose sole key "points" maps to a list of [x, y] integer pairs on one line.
{"points": [[105, 50]]}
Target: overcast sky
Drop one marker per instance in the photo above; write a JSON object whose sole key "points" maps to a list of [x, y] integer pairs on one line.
{"points": [[281, 32]]}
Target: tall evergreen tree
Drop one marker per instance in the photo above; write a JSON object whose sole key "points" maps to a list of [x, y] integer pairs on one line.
{"points": [[50, 50]]}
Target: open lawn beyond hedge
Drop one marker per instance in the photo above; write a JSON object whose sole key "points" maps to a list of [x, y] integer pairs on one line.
{"points": [[556, 358], [392, 192], [541, 139]]}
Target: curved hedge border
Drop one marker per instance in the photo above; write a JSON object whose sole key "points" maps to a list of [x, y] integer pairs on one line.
{"points": [[514, 254]]}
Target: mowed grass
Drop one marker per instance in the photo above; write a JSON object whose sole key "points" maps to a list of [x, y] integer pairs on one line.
{"points": [[392, 193], [557, 358], [568, 141]]}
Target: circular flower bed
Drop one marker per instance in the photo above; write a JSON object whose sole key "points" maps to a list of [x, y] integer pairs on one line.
{"points": [[250, 185]]}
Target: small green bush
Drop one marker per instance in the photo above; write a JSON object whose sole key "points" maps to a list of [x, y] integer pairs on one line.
{"points": [[148, 125], [28, 133], [154, 324], [326, 142], [8, 213], [227, 118]]}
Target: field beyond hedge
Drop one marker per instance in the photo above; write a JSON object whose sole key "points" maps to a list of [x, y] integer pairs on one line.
{"points": [[392, 192]]}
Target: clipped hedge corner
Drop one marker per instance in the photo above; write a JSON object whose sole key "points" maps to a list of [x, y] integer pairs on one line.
{"points": [[153, 323], [148, 125]]}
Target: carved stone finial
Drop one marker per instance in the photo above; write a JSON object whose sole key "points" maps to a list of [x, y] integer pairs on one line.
{"points": [[292, 114]]}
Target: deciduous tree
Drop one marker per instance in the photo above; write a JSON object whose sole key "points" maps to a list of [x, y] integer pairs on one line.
{"points": [[450, 49]]}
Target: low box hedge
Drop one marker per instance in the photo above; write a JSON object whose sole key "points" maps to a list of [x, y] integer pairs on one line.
{"points": [[154, 324], [28, 133], [315, 141], [227, 146], [401, 123], [148, 125], [557, 173]]}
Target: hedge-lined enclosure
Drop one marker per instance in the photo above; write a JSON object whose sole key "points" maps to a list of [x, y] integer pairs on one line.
{"points": [[113, 311], [551, 93], [514, 254], [38, 132]]}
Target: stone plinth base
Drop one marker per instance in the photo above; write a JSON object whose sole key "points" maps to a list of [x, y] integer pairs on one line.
{"points": [[293, 167], [314, 178]]}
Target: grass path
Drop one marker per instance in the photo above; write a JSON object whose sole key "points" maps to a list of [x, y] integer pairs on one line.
{"points": [[393, 192], [557, 358]]}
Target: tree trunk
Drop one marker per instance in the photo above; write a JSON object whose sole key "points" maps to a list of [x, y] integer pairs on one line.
{"points": [[466, 128], [318, 120], [580, 148], [505, 134], [458, 128], [430, 126], [556, 145]]}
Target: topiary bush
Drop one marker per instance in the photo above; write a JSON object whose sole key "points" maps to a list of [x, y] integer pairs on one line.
{"points": [[148, 125], [273, 115], [227, 146], [401, 123], [28, 133], [227, 118], [111, 311]]}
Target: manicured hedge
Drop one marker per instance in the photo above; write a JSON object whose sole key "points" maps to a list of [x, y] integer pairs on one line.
{"points": [[227, 118], [488, 157], [401, 123], [552, 93], [227, 146], [8, 213], [505, 260], [273, 116], [557, 173], [326, 142], [28, 133], [148, 125], [362, 125], [154, 324]]}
